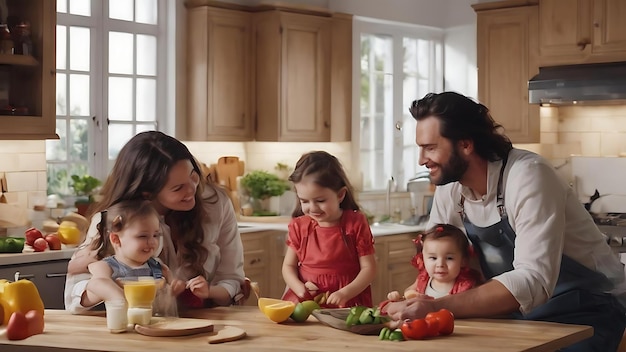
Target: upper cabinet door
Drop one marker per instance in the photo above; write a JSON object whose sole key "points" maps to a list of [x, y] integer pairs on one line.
{"points": [[609, 27], [565, 28], [506, 61], [27, 76], [581, 31], [220, 63], [293, 77]]}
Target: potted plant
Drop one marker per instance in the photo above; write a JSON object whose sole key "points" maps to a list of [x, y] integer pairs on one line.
{"points": [[84, 188], [260, 186]]}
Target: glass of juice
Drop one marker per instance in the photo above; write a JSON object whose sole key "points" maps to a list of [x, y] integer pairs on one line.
{"points": [[140, 294]]}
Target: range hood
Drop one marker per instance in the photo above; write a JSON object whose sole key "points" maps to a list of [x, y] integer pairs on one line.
{"points": [[579, 84]]}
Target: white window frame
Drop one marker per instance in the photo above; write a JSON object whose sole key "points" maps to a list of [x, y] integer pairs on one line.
{"points": [[396, 30]]}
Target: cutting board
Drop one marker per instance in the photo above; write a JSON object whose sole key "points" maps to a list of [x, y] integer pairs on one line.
{"points": [[336, 318], [226, 334], [161, 327]]}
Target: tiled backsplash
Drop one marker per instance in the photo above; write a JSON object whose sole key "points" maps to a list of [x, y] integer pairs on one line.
{"points": [[23, 164], [580, 130]]}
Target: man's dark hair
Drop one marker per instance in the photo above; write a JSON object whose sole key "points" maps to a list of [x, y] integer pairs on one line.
{"points": [[461, 118]]}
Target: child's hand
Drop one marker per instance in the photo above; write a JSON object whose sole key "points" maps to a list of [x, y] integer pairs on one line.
{"points": [[198, 286], [337, 298], [394, 296], [177, 286], [302, 292]]}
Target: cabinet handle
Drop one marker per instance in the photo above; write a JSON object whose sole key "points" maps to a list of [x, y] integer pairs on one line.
{"points": [[255, 260], [398, 126], [56, 275], [326, 124], [596, 24], [27, 276], [583, 43]]}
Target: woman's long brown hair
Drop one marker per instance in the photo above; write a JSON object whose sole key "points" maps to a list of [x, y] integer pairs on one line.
{"points": [[141, 171]]}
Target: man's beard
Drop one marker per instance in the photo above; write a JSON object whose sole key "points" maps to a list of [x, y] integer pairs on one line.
{"points": [[453, 170]]}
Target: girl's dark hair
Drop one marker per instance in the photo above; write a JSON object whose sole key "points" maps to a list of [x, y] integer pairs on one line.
{"points": [[446, 230], [327, 172], [116, 218], [461, 118], [141, 171]]}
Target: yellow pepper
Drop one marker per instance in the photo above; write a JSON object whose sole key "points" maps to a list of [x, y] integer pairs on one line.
{"points": [[19, 296]]}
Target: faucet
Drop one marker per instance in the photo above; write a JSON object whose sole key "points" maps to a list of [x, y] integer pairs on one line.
{"points": [[391, 184]]}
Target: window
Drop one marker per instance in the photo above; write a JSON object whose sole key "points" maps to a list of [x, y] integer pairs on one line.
{"points": [[397, 64], [109, 83]]}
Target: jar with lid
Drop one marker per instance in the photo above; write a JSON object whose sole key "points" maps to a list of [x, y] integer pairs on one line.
{"points": [[6, 42]]}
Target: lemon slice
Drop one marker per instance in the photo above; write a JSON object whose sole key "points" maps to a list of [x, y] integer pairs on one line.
{"points": [[279, 312], [263, 302]]}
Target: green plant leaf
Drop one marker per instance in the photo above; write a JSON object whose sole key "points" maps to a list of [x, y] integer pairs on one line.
{"points": [[261, 184]]}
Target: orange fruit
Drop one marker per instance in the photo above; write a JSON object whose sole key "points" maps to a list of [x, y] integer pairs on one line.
{"points": [[275, 309], [263, 302]]}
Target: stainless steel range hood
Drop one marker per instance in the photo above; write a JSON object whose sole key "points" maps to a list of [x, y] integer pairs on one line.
{"points": [[579, 84]]}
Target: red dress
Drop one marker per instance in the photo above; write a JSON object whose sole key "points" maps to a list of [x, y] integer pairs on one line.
{"points": [[329, 256]]}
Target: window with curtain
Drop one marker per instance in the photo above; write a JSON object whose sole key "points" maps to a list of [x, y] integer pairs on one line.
{"points": [[110, 83], [397, 64]]}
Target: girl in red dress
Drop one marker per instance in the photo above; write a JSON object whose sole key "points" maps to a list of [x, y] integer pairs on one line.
{"points": [[330, 247]]}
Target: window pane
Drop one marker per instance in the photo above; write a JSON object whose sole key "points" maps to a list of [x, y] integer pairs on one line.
{"points": [[58, 179], [144, 128], [80, 7], [382, 54], [79, 48], [118, 136], [56, 149], [78, 142], [61, 99], [61, 47], [62, 6], [79, 95], [410, 54], [121, 53], [146, 11], [121, 10], [423, 58], [120, 99], [146, 55], [146, 100], [366, 47]]}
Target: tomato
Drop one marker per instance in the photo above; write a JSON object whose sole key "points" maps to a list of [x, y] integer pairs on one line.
{"points": [[414, 329], [432, 325], [445, 319]]}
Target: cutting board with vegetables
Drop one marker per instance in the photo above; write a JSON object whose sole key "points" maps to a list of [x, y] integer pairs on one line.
{"points": [[336, 318], [175, 327]]}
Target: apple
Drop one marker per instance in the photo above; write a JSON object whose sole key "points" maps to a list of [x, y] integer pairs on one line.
{"points": [[40, 245], [31, 235], [54, 242]]}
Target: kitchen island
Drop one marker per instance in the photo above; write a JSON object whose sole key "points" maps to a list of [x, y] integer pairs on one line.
{"points": [[65, 332]]}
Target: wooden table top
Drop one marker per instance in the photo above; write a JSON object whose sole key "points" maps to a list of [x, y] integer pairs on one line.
{"points": [[65, 332]]}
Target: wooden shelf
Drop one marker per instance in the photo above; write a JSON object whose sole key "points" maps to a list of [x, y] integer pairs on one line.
{"points": [[18, 60]]}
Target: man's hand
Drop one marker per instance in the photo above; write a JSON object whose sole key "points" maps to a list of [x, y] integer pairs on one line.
{"points": [[413, 308]]}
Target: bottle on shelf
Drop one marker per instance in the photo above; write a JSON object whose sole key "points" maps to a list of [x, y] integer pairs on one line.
{"points": [[6, 41]]}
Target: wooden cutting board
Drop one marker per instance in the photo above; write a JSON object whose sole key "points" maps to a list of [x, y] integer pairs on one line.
{"points": [[175, 327], [336, 318], [226, 334]]}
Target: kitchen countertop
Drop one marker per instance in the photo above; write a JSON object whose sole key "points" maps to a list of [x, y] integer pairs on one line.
{"points": [[244, 228], [88, 333]]}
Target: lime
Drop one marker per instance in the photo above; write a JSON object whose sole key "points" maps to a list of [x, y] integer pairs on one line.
{"points": [[303, 310]]}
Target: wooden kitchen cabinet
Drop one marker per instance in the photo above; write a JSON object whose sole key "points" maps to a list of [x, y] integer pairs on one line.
{"points": [[393, 260], [48, 277], [219, 74], [581, 31], [27, 82], [506, 50], [263, 254], [293, 77]]}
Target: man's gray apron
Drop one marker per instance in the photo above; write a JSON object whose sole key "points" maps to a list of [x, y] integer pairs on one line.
{"points": [[578, 297]]}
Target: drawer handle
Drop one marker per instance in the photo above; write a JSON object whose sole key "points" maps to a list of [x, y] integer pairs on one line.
{"points": [[56, 275], [255, 260], [27, 276]]}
